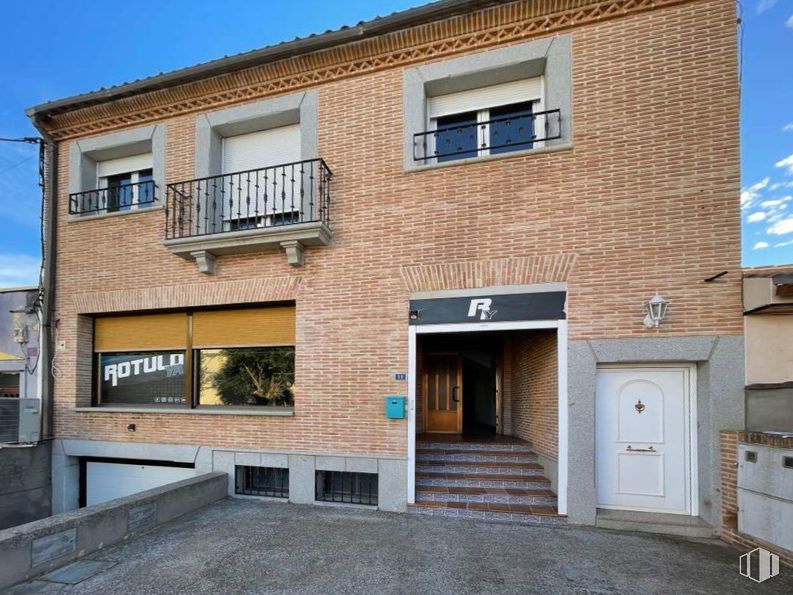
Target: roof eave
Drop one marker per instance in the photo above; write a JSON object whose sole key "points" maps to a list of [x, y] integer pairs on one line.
{"points": [[374, 27]]}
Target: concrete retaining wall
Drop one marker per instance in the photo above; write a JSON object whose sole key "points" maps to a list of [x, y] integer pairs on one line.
{"points": [[32, 549], [24, 484]]}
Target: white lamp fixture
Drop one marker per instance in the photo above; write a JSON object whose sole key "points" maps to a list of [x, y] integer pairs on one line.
{"points": [[657, 308]]}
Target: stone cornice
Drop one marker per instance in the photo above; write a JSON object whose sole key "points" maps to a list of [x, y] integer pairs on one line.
{"points": [[503, 24]]}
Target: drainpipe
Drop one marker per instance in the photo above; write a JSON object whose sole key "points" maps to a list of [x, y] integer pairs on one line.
{"points": [[49, 178]]}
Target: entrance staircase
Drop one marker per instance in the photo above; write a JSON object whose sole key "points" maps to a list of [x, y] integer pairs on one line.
{"points": [[492, 478]]}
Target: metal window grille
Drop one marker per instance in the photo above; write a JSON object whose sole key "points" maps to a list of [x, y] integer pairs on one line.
{"points": [[120, 197], [272, 482], [346, 487], [286, 194]]}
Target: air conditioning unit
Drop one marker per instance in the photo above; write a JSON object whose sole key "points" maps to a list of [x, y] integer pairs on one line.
{"points": [[20, 420]]}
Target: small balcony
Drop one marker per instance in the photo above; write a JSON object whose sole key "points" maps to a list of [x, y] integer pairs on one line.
{"points": [[283, 206], [113, 199], [452, 142]]}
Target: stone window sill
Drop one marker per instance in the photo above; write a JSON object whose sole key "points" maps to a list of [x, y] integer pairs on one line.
{"points": [[251, 411], [158, 206], [486, 158]]}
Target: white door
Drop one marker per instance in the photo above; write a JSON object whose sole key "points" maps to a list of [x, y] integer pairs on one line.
{"points": [[643, 435], [108, 481]]}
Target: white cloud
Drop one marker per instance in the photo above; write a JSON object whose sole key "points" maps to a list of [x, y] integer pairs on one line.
{"points": [[18, 269], [764, 5], [778, 185], [788, 127], [751, 193], [789, 23], [783, 244], [769, 204], [786, 164], [760, 245], [755, 217], [781, 227]]}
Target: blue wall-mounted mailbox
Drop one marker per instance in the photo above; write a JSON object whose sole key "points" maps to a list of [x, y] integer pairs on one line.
{"points": [[395, 407]]}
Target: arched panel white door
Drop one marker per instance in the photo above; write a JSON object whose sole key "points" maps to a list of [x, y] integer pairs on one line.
{"points": [[642, 439]]}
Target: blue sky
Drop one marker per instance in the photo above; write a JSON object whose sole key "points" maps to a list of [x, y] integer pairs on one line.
{"points": [[53, 49]]}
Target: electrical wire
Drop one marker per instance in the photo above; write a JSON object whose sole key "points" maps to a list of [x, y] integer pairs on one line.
{"points": [[17, 164]]}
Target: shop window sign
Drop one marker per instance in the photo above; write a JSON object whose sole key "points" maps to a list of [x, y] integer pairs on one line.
{"points": [[151, 378]]}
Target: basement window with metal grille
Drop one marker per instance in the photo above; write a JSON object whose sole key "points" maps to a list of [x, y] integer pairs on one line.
{"points": [[271, 482], [347, 487]]}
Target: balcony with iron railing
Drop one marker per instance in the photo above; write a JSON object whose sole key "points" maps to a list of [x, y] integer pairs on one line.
{"points": [[113, 199], [286, 206], [521, 132]]}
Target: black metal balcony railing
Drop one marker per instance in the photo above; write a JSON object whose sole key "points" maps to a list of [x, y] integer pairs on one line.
{"points": [[122, 197], [279, 195], [499, 135]]}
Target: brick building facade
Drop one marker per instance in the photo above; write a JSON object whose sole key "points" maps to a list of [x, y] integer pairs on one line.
{"points": [[636, 192]]}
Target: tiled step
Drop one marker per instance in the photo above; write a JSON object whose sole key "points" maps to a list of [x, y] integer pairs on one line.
{"points": [[480, 468], [487, 446], [485, 495], [482, 480], [513, 513], [490, 456]]}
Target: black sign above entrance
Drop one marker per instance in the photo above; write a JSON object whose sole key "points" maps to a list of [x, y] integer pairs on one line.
{"points": [[489, 308]]}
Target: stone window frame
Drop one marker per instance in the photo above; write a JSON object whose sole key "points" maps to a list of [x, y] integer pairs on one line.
{"points": [[85, 153], [550, 57], [213, 127]]}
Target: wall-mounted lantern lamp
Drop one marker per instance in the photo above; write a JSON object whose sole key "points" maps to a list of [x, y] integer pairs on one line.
{"points": [[656, 308]]}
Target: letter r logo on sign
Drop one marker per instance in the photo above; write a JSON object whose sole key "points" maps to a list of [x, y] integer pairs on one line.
{"points": [[481, 305]]}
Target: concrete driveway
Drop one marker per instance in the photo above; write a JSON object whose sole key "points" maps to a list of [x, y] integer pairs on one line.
{"points": [[244, 546]]}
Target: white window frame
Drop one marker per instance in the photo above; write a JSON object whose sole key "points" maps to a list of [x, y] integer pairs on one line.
{"points": [[102, 180], [483, 115]]}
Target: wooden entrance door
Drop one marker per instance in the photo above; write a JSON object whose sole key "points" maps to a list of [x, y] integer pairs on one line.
{"points": [[443, 393]]}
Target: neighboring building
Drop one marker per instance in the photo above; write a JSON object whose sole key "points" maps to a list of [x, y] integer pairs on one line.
{"points": [[24, 457], [758, 479], [468, 204], [768, 323]]}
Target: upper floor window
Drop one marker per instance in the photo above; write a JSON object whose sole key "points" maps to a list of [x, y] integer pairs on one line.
{"points": [[260, 178], [484, 121], [501, 101], [126, 183], [118, 172]]}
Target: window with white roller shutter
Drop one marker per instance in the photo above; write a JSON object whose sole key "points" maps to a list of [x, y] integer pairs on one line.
{"points": [[262, 165], [129, 180], [485, 121]]}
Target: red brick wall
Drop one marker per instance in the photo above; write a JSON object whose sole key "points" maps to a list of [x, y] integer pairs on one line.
{"points": [[729, 502], [534, 390], [647, 199]]}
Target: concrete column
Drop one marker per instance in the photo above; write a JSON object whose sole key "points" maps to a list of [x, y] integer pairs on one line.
{"points": [[392, 485], [301, 479]]}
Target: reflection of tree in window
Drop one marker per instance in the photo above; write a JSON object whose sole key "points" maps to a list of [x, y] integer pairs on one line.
{"points": [[247, 376]]}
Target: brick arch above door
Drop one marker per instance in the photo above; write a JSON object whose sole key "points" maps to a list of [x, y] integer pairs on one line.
{"points": [[471, 274]]}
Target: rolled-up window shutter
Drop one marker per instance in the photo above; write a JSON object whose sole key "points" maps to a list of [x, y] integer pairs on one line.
{"points": [[250, 327], [136, 333], [485, 97]]}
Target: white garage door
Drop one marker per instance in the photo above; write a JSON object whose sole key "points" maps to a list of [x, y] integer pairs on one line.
{"points": [[108, 481]]}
